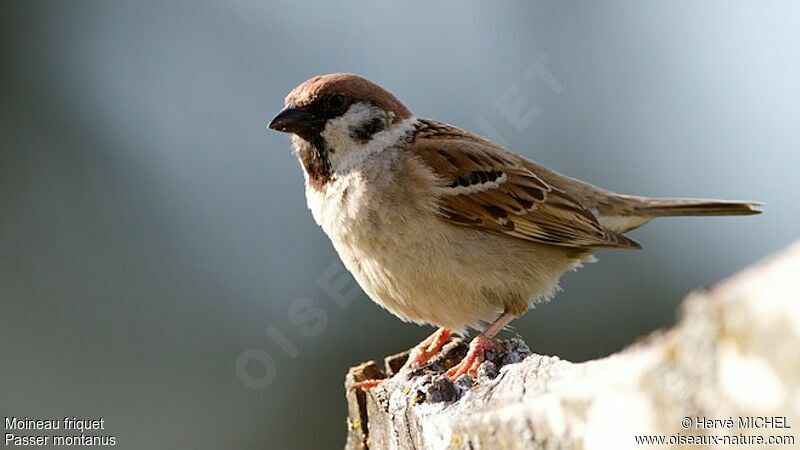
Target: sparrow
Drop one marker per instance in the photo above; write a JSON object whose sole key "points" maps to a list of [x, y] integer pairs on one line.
{"points": [[442, 227]]}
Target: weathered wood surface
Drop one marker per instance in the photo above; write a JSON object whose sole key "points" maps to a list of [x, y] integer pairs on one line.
{"points": [[734, 353]]}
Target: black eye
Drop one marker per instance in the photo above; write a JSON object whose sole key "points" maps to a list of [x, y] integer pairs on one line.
{"points": [[335, 102]]}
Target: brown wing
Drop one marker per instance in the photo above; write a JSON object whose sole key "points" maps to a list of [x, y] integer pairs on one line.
{"points": [[486, 187]]}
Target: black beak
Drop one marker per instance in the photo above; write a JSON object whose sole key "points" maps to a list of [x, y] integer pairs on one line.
{"points": [[292, 119]]}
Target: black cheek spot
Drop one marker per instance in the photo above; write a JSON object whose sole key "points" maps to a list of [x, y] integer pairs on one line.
{"points": [[363, 132]]}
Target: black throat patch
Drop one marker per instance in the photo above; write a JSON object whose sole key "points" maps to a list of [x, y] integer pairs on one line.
{"points": [[314, 152], [315, 158]]}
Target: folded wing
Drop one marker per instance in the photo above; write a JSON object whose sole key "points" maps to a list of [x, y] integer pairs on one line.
{"points": [[484, 187]]}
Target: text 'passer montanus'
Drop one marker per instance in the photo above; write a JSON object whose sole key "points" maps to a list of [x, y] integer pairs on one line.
{"points": [[442, 227]]}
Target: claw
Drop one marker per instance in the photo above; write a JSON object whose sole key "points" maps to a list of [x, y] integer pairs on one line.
{"points": [[473, 359], [418, 356], [428, 348]]}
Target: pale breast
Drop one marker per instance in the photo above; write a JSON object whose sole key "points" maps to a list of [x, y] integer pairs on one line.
{"points": [[352, 207], [390, 238], [380, 228], [383, 221]]}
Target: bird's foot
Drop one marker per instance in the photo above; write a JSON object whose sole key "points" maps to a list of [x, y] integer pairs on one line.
{"points": [[473, 359], [417, 357], [428, 348]]}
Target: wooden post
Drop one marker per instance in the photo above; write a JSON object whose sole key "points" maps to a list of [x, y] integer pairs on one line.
{"points": [[734, 354]]}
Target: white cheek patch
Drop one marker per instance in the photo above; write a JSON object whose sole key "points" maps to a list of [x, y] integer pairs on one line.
{"points": [[348, 152], [337, 132], [357, 156]]}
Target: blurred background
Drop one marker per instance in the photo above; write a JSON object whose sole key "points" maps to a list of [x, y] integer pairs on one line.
{"points": [[155, 246]]}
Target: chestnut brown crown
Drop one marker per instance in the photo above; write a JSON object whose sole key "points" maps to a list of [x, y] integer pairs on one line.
{"points": [[323, 97], [352, 87]]}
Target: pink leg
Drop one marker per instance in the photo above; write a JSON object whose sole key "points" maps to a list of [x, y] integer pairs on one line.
{"points": [[428, 348], [420, 354], [477, 348]]}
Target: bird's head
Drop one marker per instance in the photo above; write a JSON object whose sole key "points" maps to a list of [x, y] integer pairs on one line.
{"points": [[338, 113]]}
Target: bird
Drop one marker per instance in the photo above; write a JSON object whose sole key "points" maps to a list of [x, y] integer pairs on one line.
{"points": [[442, 227]]}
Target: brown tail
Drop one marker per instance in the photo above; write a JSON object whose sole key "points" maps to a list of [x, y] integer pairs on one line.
{"points": [[660, 207]]}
